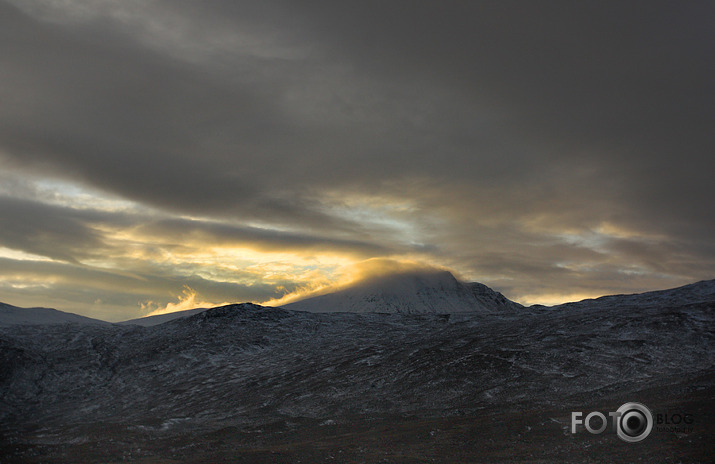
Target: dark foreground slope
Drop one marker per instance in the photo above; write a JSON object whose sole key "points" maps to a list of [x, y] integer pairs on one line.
{"points": [[244, 383]]}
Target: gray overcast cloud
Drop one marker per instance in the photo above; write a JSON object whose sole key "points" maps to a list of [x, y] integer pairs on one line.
{"points": [[208, 151]]}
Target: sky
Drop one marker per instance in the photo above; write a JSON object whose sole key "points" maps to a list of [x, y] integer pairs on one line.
{"points": [[162, 155]]}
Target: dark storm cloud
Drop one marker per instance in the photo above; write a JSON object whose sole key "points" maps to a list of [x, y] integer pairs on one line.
{"points": [[208, 138], [59, 233], [560, 142], [624, 89], [505, 91], [97, 106]]}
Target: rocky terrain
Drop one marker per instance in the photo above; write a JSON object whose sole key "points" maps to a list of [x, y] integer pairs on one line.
{"points": [[245, 383]]}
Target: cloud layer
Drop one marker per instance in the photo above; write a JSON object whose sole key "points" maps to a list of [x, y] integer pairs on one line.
{"points": [[250, 149]]}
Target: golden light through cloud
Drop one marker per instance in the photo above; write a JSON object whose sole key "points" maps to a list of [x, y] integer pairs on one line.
{"points": [[227, 253], [310, 271], [556, 298], [21, 255], [145, 242], [188, 299], [221, 259], [138, 244]]}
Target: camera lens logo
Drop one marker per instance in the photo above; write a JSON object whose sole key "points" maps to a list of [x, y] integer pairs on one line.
{"points": [[634, 422]]}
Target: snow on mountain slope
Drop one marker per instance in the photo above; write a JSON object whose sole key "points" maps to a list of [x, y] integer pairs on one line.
{"points": [[149, 321], [417, 292], [12, 315]]}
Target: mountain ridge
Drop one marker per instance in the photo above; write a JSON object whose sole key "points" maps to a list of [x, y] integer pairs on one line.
{"points": [[476, 298]]}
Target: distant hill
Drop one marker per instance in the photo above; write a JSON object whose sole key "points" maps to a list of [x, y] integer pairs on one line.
{"points": [[12, 315], [699, 292], [421, 292]]}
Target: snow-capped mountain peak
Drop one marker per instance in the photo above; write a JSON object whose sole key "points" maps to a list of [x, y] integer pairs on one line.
{"points": [[416, 292]]}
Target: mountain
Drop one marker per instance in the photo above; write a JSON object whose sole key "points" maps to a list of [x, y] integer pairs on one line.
{"points": [[12, 315], [421, 292], [246, 383]]}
